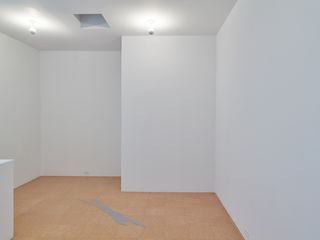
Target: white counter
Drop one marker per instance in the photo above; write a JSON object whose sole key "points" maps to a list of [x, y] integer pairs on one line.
{"points": [[6, 199]]}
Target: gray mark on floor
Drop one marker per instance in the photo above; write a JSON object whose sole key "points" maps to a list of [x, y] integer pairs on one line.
{"points": [[116, 216]]}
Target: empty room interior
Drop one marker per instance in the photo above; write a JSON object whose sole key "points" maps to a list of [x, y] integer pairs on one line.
{"points": [[159, 119]]}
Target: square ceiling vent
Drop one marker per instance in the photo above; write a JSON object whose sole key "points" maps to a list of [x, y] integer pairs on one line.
{"points": [[92, 21]]}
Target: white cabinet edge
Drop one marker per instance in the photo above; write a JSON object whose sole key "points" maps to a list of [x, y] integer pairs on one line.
{"points": [[6, 204]]}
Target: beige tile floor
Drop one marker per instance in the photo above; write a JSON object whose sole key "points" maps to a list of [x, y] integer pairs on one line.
{"points": [[53, 208]]}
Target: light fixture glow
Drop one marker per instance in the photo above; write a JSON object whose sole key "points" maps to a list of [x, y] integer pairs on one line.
{"points": [[152, 19], [31, 19], [151, 31], [32, 28], [151, 27]]}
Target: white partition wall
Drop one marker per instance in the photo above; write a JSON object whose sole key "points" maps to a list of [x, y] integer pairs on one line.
{"points": [[168, 113], [268, 114], [20, 108], [6, 199], [80, 113]]}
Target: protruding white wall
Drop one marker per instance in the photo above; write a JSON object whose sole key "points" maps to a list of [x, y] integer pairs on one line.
{"points": [[268, 114], [80, 113], [168, 113], [20, 108]]}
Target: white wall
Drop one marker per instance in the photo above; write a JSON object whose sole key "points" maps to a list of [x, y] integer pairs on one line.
{"points": [[20, 108], [168, 113], [268, 114], [80, 94]]}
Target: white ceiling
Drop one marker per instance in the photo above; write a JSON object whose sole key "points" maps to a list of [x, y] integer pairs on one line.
{"points": [[58, 29]]}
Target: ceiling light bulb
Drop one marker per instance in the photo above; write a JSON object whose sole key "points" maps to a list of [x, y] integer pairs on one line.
{"points": [[33, 22], [33, 30], [151, 26], [151, 31]]}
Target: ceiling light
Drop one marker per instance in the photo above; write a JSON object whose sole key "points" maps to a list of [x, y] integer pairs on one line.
{"points": [[151, 31], [151, 27], [150, 19], [31, 20], [33, 30]]}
